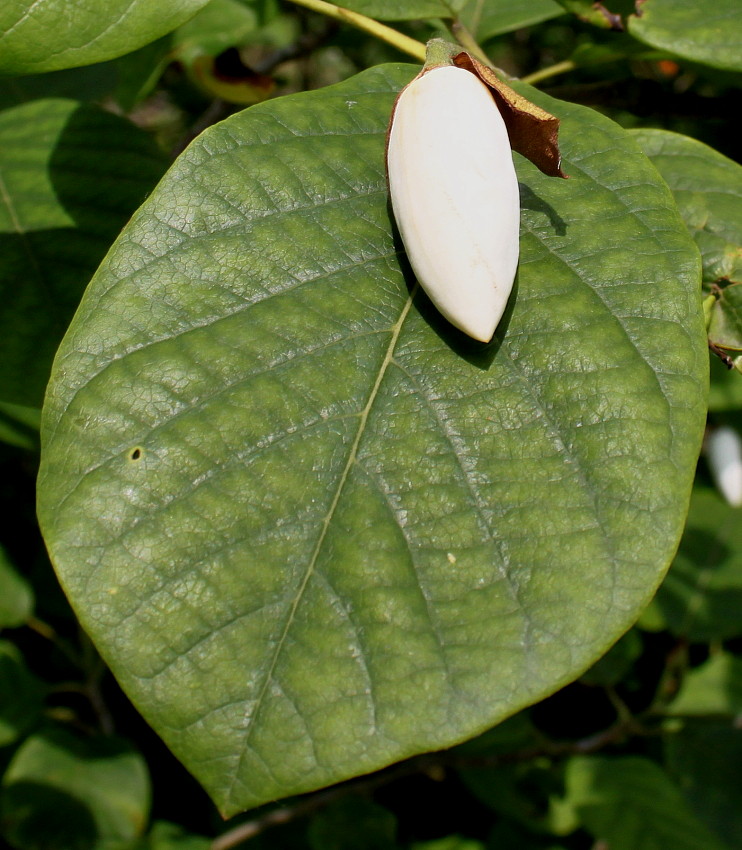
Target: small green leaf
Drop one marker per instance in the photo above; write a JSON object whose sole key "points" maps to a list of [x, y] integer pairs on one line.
{"points": [[16, 596], [451, 842], [630, 804], [219, 25], [725, 327], [353, 822], [61, 792], [703, 32], [500, 16], [705, 760], [708, 190], [713, 688], [601, 15], [725, 390], [616, 663], [402, 10], [701, 596], [169, 836], [57, 34], [21, 695], [313, 529], [70, 177]]}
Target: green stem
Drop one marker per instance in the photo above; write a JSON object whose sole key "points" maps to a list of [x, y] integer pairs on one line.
{"points": [[551, 71], [468, 42], [402, 42]]}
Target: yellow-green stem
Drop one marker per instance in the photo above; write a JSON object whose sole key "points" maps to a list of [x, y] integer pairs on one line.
{"points": [[391, 36], [469, 43], [551, 71]]}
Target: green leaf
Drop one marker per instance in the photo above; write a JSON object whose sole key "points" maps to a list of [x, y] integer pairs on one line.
{"points": [[56, 34], [311, 527], [616, 663], [725, 327], [605, 16], [702, 595], [630, 804], [21, 695], [70, 177], [725, 391], [703, 32], [169, 836], [353, 823], [713, 688], [705, 759], [61, 792], [451, 842], [91, 83], [708, 190], [16, 596], [500, 16], [219, 25], [403, 10]]}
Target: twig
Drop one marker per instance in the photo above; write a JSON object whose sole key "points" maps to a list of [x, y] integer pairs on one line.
{"points": [[551, 71], [468, 42], [424, 764], [402, 42]]}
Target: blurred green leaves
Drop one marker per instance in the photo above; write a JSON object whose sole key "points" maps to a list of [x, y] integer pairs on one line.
{"points": [[71, 175], [62, 792]]}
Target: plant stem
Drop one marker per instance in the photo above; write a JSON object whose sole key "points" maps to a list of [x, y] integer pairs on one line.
{"points": [[551, 71], [391, 36], [468, 42]]}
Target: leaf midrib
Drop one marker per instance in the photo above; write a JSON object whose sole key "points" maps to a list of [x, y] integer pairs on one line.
{"points": [[352, 454]]}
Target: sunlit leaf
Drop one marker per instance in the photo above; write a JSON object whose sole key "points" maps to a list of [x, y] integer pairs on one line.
{"points": [[312, 528]]}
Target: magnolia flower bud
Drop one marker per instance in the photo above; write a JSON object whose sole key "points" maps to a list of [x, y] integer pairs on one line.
{"points": [[724, 454], [455, 196]]}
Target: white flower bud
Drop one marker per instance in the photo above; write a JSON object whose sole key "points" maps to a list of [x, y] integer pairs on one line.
{"points": [[455, 196], [724, 454]]}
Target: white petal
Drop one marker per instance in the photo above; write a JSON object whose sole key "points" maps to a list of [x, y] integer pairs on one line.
{"points": [[455, 196]]}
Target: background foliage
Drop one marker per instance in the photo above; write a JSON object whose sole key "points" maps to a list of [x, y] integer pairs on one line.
{"points": [[650, 728]]}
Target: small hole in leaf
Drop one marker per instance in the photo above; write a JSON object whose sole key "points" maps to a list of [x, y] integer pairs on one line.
{"points": [[135, 454]]}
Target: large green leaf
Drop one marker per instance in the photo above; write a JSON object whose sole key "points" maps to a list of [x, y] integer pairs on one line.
{"points": [[704, 32], [311, 527], [708, 190], [70, 177], [47, 36], [630, 804]]}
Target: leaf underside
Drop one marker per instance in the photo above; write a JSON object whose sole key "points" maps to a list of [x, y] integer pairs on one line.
{"points": [[313, 529]]}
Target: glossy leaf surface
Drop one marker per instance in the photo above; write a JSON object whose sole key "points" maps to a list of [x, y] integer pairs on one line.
{"points": [[47, 36], [704, 32], [708, 190], [313, 529]]}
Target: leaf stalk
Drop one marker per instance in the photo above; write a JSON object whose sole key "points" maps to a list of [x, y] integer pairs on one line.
{"points": [[402, 42]]}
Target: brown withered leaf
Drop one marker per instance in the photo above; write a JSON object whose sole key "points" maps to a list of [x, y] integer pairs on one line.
{"points": [[533, 132]]}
